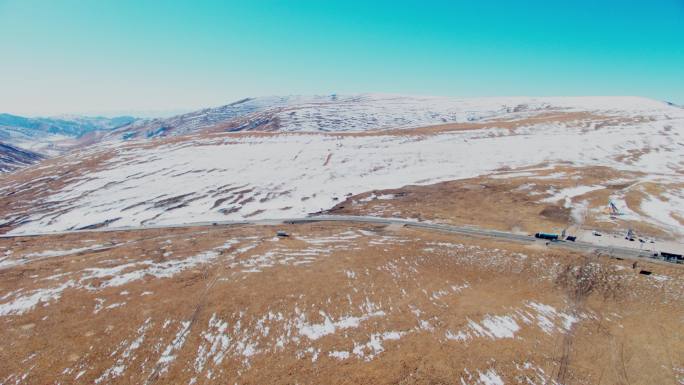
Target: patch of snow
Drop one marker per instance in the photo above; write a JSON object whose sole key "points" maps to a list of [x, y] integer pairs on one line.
{"points": [[126, 273], [24, 303], [316, 331], [215, 343], [120, 365], [340, 355], [169, 353], [569, 193], [500, 326], [60, 253], [490, 377], [660, 209], [460, 336]]}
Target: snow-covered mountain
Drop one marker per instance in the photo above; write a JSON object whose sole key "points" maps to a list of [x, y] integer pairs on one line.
{"points": [[336, 113], [43, 135], [320, 149]]}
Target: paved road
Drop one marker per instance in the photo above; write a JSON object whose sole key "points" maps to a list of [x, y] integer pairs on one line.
{"points": [[621, 252]]}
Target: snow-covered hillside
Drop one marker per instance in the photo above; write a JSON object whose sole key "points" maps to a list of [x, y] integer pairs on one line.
{"points": [[224, 176], [368, 112], [379, 111], [12, 158]]}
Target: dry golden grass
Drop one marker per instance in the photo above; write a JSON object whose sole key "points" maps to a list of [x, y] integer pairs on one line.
{"points": [[426, 285], [514, 200]]}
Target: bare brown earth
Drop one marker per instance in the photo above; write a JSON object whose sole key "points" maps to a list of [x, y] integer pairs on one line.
{"points": [[331, 303], [517, 200]]}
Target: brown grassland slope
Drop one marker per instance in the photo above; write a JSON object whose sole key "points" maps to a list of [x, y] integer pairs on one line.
{"points": [[331, 303]]}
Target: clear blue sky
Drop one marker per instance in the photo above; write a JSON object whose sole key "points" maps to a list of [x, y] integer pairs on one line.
{"points": [[104, 56]]}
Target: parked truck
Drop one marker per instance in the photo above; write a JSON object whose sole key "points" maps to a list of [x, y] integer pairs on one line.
{"points": [[672, 257], [547, 236]]}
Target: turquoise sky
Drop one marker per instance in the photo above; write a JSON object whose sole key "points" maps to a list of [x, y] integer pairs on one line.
{"points": [[101, 56]]}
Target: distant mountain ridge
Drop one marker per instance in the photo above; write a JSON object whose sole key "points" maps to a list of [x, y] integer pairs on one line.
{"points": [[50, 136], [69, 126], [364, 112]]}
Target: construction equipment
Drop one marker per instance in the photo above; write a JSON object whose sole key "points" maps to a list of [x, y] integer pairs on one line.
{"points": [[631, 235], [613, 209]]}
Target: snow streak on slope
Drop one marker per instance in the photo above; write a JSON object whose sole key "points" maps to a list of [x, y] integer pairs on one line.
{"points": [[285, 175]]}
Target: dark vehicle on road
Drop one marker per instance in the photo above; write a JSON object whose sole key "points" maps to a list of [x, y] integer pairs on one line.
{"points": [[672, 257], [547, 236]]}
